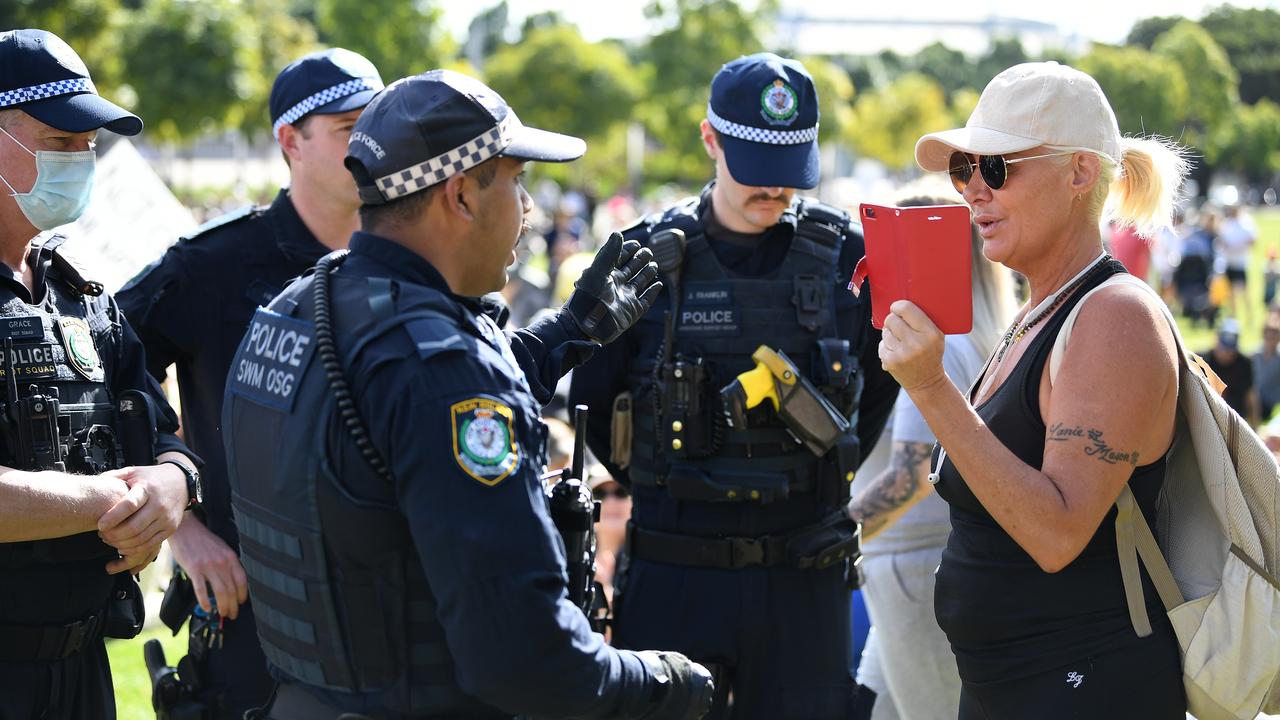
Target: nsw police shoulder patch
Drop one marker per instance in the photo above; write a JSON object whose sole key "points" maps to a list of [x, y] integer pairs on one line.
{"points": [[484, 439]]}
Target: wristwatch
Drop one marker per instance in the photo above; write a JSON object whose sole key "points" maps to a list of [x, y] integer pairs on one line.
{"points": [[195, 491]]}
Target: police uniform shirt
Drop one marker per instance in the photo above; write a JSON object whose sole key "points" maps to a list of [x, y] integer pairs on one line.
{"points": [[605, 375], [448, 406], [191, 308], [43, 593]]}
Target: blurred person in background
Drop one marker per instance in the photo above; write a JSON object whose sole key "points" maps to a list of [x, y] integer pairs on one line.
{"points": [[1236, 237], [907, 661], [1234, 369], [1266, 368], [191, 307], [1032, 465], [1195, 269]]}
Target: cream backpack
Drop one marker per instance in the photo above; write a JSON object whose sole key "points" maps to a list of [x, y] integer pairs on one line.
{"points": [[1216, 526]]}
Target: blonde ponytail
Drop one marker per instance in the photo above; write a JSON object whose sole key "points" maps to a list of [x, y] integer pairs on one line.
{"points": [[1142, 192]]}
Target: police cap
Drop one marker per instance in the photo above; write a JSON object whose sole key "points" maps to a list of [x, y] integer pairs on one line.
{"points": [[45, 78], [325, 82], [766, 110], [423, 129]]}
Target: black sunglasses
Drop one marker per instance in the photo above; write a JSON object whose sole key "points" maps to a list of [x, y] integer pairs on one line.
{"points": [[618, 493], [994, 168]]}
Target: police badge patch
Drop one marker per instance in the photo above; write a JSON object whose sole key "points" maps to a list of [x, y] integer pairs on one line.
{"points": [[778, 103], [82, 354], [483, 439]]}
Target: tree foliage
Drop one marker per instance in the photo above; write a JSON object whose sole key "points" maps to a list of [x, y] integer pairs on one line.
{"points": [[1143, 34], [1147, 91], [835, 99], [1249, 141], [191, 66], [703, 35], [1251, 38], [1211, 81], [580, 88], [400, 37], [891, 119]]}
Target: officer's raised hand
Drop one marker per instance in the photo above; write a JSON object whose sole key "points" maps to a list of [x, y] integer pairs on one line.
{"points": [[685, 688], [618, 288]]}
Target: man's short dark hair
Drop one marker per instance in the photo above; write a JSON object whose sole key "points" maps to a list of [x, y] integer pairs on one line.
{"points": [[301, 127], [407, 209]]}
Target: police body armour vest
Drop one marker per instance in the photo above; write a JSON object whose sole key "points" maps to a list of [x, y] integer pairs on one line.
{"points": [[340, 596], [720, 318], [53, 352]]}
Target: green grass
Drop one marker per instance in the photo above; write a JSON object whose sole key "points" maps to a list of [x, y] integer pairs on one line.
{"points": [[129, 673]]}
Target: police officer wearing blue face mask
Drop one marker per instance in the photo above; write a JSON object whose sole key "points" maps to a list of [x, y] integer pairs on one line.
{"points": [[384, 441], [740, 549], [191, 308], [92, 477]]}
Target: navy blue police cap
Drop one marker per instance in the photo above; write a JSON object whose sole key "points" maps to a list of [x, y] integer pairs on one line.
{"points": [[325, 82], [766, 110], [424, 129], [41, 75]]}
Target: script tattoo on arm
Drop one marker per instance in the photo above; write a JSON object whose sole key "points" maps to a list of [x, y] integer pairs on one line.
{"points": [[1095, 445], [877, 506]]}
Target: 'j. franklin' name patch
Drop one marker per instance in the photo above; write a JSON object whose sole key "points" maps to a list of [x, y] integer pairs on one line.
{"points": [[483, 440], [707, 310]]}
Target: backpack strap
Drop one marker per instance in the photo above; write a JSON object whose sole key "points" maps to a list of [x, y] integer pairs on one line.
{"points": [[1134, 538]]}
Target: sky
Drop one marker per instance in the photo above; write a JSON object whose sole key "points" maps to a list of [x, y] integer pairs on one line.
{"points": [[1100, 20]]}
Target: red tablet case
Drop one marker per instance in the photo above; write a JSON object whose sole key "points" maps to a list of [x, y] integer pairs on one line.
{"points": [[919, 254]]}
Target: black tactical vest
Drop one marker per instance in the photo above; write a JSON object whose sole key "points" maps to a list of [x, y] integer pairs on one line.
{"points": [[718, 319], [58, 413], [341, 600]]}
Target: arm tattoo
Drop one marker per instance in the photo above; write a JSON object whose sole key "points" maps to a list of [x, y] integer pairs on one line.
{"points": [[1095, 445], [874, 507]]}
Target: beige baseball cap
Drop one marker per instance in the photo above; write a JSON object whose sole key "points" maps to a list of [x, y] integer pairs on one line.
{"points": [[1028, 105]]}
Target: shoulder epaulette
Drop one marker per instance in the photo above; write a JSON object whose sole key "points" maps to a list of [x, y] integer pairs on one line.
{"points": [[825, 224], [230, 218]]}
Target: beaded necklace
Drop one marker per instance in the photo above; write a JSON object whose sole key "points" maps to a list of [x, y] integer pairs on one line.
{"points": [[1046, 307]]}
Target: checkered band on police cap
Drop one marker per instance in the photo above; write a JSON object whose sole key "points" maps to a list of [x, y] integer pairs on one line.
{"points": [[441, 167], [761, 135], [47, 90], [322, 98]]}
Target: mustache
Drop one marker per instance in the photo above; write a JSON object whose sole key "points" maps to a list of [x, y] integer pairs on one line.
{"points": [[766, 197]]}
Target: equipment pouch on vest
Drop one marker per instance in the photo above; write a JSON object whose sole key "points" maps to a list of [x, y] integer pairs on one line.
{"points": [[126, 611], [834, 540], [833, 367], [689, 483], [620, 431], [837, 472], [689, 410]]}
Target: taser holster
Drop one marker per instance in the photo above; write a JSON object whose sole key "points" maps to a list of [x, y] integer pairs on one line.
{"points": [[808, 415]]}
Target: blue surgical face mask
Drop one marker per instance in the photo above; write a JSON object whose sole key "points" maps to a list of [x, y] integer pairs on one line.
{"points": [[61, 191]]}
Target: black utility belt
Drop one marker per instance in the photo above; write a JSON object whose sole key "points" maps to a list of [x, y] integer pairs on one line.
{"points": [[20, 643], [818, 546], [690, 483]]}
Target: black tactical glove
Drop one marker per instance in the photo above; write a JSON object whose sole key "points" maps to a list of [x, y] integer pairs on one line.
{"points": [[618, 288], [684, 687]]}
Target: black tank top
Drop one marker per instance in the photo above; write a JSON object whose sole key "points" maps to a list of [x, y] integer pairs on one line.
{"points": [[1005, 617]]}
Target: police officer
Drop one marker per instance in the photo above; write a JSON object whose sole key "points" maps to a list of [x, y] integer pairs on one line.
{"points": [[192, 306], [384, 444], [92, 478], [739, 546]]}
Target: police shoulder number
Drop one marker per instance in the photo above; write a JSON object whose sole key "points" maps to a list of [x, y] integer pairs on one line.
{"points": [[484, 443]]}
